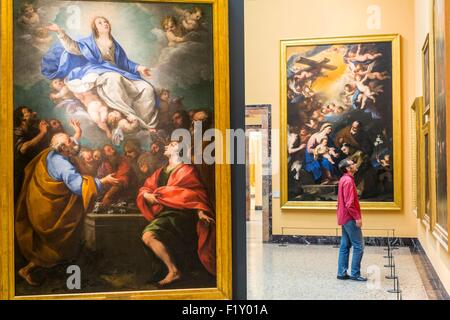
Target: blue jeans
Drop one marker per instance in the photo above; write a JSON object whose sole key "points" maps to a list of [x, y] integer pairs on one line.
{"points": [[351, 237]]}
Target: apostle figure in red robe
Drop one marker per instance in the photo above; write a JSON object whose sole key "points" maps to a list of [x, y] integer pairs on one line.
{"points": [[182, 225]]}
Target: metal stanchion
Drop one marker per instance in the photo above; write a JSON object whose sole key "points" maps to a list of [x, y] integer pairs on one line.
{"points": [[391, 262], [283, 243], [391, 265], [388, 242], [388, 249], [396, 289], [394, 240], [337, 239], [393, 274]]}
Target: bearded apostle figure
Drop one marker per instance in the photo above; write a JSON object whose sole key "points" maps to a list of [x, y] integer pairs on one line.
{"points": [[51, 207], [182, 227]]}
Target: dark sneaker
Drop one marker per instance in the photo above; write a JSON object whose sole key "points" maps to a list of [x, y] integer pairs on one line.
{"points": [[344, 277], [359, 279]]}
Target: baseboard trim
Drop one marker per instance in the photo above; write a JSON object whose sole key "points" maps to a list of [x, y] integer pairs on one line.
{"points": [[333, 240]]}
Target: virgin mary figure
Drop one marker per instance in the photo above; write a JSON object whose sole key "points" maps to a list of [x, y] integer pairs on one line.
{"points": [[320, 167], [98, 64]]}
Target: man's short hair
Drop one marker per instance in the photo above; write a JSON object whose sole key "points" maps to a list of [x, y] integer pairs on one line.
{"points": [[343, 165]]}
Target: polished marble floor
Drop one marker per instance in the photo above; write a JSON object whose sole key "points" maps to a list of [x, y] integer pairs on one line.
{"points": [[308, 272]]}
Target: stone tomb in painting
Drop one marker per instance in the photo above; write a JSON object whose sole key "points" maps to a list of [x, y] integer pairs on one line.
{"points": [[115, 236]]}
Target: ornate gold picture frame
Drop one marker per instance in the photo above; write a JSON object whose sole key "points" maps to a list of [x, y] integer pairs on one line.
{"points": [[438, 128], [172, 24], [347, 92]]}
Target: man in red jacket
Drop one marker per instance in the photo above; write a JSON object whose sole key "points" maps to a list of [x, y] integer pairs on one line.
{"points": [[349, 217]]}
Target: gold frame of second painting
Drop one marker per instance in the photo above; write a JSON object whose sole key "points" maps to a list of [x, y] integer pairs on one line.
{"points": [[395, 205], [223, 289]]}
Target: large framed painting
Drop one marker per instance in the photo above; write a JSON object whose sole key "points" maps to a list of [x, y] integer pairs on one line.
{"points": [[341, 99], [440, 54], [100, 198], [426, 73], [423, 124]]}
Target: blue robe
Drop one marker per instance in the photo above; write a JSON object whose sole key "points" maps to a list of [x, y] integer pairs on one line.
{"points": [[315, 166], [61, 64], [60, 169], [58, 63]]}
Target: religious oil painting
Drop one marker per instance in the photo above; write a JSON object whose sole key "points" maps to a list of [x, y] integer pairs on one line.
{"points": [[440, 20], [104, 198], [426, 72], [340, 101]]}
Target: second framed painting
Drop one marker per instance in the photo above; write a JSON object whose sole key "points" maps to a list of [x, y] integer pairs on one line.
{"points": [[341, 99]]}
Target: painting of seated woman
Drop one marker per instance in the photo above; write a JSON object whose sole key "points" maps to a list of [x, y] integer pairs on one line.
{"points": [[340, 104]]}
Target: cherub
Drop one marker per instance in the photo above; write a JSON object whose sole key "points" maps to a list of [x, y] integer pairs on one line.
{"points": [[365, 92], [307, 91], [358, 57], [347, 95], [331, 107], [322, 150], [41, 39], [341, 50], [339, 110], [326, 110], [378, 75], [173, 32], [317, 115], [96, 109], [60, 91], [116, 120], [375, 87], [313, 124], [359, 70], [29, 18], [304, 75], [119, 126], [190, 19]]}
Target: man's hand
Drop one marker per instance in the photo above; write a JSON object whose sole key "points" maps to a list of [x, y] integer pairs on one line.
{"points": [[43, 127], [75, 124], [109, 179], [151, 198], [143, 70], [359, 223], [204, 217]]}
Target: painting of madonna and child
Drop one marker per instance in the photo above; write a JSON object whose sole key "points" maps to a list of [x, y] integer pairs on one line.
{"points": [[339, 106], [100, 183]]}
